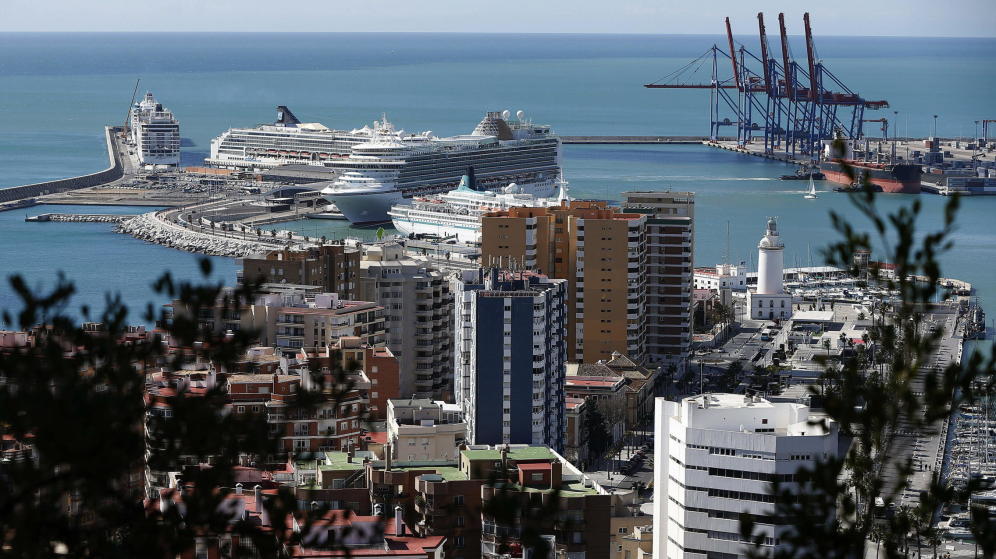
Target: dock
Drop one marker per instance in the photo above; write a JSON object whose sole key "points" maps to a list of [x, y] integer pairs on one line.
{"points": [[633, 139], [79, 218]]}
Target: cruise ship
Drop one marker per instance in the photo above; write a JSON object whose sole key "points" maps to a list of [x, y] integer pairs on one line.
{"points": [[285, 141], [392, 167], [457, 213], [154, 132]]}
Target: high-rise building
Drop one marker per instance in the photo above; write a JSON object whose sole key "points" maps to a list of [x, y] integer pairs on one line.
{"points": [[599, 251], [510, 356], [715, 458], [418, 311], [669, 271], [334, 268], [769, 301]]}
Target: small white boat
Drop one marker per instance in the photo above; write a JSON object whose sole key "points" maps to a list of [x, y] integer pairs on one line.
{"points": [[811, 195]]}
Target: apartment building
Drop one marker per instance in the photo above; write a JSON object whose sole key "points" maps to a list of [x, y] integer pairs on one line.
{"points": [[640, 385], [599, 250], [380, 366], [715, 457], [670, 249], [425, 430], [334, 268], [291, 319], [418, 316], [510, 356], [537, 476]]}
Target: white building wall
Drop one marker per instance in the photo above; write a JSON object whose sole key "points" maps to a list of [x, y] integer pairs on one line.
{"points": [[696, 508]]}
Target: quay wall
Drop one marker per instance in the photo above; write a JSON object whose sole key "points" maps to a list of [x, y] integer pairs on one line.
{"points": [[634, 139], [113, 172]]}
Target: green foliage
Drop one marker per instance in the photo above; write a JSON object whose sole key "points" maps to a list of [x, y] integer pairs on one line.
{"points": [[77, 396], [595, 430], [833, 515]]}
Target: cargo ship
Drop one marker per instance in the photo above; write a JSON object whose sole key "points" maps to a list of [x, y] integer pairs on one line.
{"points": [[903, 178]]}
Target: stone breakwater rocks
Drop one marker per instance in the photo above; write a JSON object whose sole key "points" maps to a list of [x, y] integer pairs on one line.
{"points": [[92, 218], [153, 228]]}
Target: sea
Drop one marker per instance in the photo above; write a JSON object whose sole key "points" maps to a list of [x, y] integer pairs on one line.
{"points": [[61, 89]]}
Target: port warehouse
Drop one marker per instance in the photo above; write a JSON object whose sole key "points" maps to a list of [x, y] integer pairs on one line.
{"points": [[113, 172]]}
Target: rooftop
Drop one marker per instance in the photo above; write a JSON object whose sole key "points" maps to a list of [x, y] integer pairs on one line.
{"points": [[730, 401], [514, 453]]}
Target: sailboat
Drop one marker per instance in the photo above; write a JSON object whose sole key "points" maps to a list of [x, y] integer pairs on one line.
{"points": [[811, 195]]}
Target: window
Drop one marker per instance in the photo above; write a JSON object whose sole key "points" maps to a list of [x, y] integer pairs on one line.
{"points": [[458, 542], [537, 476], [460, 521], [458, 499], [622, 530]]}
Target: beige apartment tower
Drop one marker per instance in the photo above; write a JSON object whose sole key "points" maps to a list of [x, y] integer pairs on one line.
{"points": [[599, 250]]}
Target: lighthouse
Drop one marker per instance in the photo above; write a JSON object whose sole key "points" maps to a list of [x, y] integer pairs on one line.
{"points": [[770, 261], [769, 300]]}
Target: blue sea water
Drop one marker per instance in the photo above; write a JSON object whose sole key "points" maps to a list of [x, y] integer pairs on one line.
{"points": [[59, 90]]}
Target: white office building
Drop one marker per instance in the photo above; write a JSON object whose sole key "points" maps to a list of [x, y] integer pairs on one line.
{"points": [[715, 457]]}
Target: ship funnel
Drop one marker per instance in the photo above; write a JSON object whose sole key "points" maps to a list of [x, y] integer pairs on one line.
{"points": [[285, 117]]}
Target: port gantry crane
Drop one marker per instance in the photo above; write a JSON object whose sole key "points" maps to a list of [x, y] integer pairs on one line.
{"points": [[884, 128], [791, 107]]}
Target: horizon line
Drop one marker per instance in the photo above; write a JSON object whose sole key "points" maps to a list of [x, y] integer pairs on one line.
{"points": [[538, 33]]}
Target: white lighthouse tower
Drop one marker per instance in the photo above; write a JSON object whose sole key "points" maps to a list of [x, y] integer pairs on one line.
{"points": [[770, 261], [769, 300]]}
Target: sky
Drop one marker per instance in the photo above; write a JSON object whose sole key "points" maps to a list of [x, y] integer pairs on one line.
{"points": [[919, 18]]}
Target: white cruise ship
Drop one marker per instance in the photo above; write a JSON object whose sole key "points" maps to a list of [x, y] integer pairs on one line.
{"points": [[392, 167], [458, 212], [155, 133], [286, 141]]}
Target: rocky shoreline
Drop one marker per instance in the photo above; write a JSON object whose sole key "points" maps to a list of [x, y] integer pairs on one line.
{"points": [[153, 228]]}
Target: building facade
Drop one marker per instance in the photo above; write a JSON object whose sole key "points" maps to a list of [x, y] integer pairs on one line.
{"points": [[291, 319], [334, 268], [715, 457], [418, 311], [510, 355], [670, 235], [599, 250], [425, 430]]}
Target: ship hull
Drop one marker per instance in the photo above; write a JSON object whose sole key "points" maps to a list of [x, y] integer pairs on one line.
{"points": [[463, 234], [365, 208], [895, 179]]}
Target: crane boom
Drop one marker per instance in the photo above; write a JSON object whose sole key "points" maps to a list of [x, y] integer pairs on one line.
{"points": [[733, 54], [132, 104], [764, 52], [789, 87], [813, 82]]}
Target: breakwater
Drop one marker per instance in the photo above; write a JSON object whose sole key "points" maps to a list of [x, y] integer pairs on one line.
{"points": [[155, 227], [80, 218], [113, 172]]}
